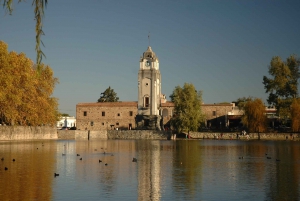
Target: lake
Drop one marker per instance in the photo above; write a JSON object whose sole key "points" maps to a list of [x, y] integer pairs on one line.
{"points": [[164, 170]]}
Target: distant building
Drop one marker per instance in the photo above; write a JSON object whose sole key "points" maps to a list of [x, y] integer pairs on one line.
{"points": [[66, 122], [152, 110]]}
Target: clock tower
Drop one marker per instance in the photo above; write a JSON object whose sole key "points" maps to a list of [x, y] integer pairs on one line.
{"points": [[149, 92]]}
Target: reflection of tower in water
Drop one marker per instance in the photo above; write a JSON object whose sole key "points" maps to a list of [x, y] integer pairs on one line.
{"points": [[148, 170]]}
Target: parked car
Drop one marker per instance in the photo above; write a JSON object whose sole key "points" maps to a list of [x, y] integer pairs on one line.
{"points": [[65, 128], [72, 128]]}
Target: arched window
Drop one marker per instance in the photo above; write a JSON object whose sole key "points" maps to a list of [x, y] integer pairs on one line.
{"points": [[146, 101]]}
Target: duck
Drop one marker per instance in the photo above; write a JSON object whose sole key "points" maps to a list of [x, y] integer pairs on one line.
{"points": [[5, 168], [268, 157], [80, 159], [2, 159], [106, 164], [13, 160], [78, 154], [56, 174], [63, 154], [134, 160], [100, 161], [242, 157]]}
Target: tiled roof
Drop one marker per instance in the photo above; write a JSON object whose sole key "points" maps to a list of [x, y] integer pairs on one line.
{"points": [[109, 104]]}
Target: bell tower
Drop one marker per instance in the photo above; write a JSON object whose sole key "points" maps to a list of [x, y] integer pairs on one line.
{"points": [[149, 92]]}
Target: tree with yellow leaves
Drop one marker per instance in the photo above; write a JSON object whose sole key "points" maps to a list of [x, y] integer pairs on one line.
{"points": [[254, 117], [25, 97]]}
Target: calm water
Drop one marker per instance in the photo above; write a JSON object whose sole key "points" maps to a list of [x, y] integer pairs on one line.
{"points": [[165, 170]]}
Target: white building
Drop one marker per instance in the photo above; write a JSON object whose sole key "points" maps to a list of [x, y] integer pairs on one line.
{"points": [[66, 122]]}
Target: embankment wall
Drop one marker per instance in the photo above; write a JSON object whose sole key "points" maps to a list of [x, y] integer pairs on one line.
{"points": [[46, 132], [27, 132], [249, 136]]}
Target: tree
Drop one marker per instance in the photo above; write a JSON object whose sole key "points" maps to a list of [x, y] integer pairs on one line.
{"points": [[108, 96], [254, 117], [283, 87], [295, 114], [187, 109], [241, 102], [25, 96], [39, 6]]}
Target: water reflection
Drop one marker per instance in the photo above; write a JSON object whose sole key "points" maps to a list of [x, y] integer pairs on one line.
{"points": [[30, 176], [165, 170]]}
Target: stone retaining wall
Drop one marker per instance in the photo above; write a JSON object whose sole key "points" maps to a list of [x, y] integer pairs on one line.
{"points": [[27, 133], [45, 132], [138, 134], [250, 136], [66, 134]]}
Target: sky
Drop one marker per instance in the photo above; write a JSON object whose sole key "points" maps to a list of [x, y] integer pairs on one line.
{"points": [[222, 47]]}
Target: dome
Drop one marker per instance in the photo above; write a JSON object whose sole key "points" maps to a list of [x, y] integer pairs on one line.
{"points": [[149, 54]]}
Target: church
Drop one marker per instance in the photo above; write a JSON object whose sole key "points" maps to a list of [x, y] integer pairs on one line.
{"points": [[150, 112]]}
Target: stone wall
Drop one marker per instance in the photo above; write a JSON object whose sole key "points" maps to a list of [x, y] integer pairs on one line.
{"points": [[251, 136], [66, 134], [27, 133], [86, 134], [106, 115], [138, 134]]}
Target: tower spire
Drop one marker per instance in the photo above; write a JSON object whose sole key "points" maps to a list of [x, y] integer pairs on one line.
{"points": [[149, 38]]}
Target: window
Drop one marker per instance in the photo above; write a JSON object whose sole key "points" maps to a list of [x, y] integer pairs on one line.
{"points": [[118, 114], [130, 113], [117, 123], [102, 123], [103, 114], [84, 113], [214, 113], [146, 84], [146, 101]]}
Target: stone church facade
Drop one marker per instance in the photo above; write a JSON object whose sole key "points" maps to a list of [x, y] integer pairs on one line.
{"points": [[151, 112]]}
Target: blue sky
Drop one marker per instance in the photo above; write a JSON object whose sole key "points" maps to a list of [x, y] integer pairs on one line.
{"points": [[223, 47]]}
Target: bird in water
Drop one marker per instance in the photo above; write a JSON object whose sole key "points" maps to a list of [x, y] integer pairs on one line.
{"points": [[56, 175], [100, 161], [134, 160]]}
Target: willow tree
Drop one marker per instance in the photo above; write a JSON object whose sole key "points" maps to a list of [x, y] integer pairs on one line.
{"points": [[25, 97], [295, 114], [254, 115], [187, 108], [39, 7], [283, 86]]}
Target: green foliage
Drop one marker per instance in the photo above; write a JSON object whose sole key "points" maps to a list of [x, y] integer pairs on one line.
{"points": [[254, 118], [108, 96], [64, 115], [283, 86], [39, 7], [25, 97], [187, 110], [241, 102], [295, 114]]}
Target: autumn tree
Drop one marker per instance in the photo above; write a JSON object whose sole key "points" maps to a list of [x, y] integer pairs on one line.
{"points": [[241, 102], [283, 86], [295, 114], [254, 115], [109, 95], [25, 97], [39, 7], [187, 110]]}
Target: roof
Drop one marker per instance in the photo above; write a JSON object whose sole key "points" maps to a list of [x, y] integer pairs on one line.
{"points": [[149, 54], [109, 104]]}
